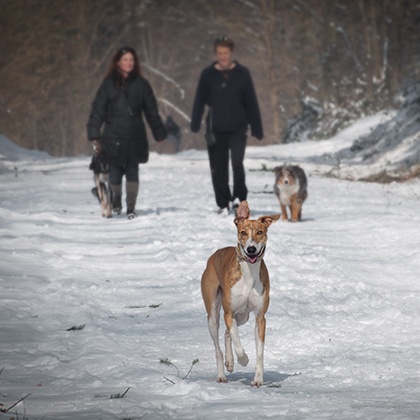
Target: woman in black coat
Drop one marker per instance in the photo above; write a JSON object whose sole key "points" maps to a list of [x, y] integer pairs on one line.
{"points": [[116, 127], [226, 87]]}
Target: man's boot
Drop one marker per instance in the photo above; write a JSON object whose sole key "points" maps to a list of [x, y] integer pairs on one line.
{"points": [[116, 198], [132, 189]]}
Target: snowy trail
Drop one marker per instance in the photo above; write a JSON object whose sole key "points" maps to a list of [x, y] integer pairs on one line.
{"points": [[343, 330]]}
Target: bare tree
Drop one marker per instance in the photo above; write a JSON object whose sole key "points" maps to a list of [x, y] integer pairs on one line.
{"points": [[350, 55]]}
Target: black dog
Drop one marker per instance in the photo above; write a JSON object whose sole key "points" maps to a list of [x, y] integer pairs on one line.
{"points": [[102, 189]]}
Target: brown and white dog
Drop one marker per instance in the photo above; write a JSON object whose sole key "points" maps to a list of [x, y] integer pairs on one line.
{"points": [[290, 188], [237, 279], [102, 189]]}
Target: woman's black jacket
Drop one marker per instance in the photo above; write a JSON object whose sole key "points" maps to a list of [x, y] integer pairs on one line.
{"points": [[231, 95], [121, 109]]}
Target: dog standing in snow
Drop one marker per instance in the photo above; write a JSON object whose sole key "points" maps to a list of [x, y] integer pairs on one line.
{"points": [[290, 188], [237, 279], [102, 189]]}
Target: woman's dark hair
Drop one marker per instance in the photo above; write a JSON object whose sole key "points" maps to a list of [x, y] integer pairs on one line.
{"points": [[114, 69], [223, 41]]}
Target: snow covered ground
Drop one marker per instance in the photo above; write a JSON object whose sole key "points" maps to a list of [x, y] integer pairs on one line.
{"points": [[343, 329]]}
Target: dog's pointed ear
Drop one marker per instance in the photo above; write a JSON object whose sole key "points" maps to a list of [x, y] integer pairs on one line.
{"points": [[242, 213], [268, 220]]}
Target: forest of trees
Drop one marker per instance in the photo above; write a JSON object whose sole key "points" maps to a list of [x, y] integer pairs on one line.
{"points": [[349, 57]]}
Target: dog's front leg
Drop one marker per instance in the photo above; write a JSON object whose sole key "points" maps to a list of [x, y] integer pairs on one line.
{"points": [[260, 324], [105, 195], [283, 211], [296, 210], [232, 327]]}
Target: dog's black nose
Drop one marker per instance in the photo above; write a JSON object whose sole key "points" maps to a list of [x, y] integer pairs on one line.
{"points": [[286, 181], [251, 250]]}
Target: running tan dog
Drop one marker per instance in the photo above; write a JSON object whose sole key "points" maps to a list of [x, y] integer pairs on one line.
{"points": [[290, 188], [237, 279]]}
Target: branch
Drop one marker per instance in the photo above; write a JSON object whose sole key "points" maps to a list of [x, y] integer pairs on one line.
{"points": [[340, 30], [175, 108], [16, 403], [167, 78]]}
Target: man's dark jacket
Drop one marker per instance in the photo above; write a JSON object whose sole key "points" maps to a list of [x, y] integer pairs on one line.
{"points": [[121, 109], [231, 95]]}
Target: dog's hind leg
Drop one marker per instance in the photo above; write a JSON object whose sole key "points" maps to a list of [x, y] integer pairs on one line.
{"points": [[229, 363], [212, 296], [214, 324]]}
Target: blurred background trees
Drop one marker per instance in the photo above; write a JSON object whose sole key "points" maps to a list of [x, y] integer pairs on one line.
{"points": [[317, 64]]}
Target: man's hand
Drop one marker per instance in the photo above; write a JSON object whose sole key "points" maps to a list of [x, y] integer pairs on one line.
{"points": [[96, 144]]}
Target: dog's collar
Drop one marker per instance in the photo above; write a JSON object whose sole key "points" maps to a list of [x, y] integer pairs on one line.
{"points": [[241, 257]]}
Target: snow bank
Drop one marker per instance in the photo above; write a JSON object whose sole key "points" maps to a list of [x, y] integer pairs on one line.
{"points": [[10, 152], [393, 145]]}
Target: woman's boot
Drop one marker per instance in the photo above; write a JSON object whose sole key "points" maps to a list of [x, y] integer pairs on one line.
{"points": [[132, 189], [116, 198]]}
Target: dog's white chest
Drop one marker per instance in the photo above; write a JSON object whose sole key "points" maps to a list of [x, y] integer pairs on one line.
{"points": [[287, 191], [247, 293]]}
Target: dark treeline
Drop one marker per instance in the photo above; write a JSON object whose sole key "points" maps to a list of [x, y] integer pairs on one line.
{"points": [[350, 57]]}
